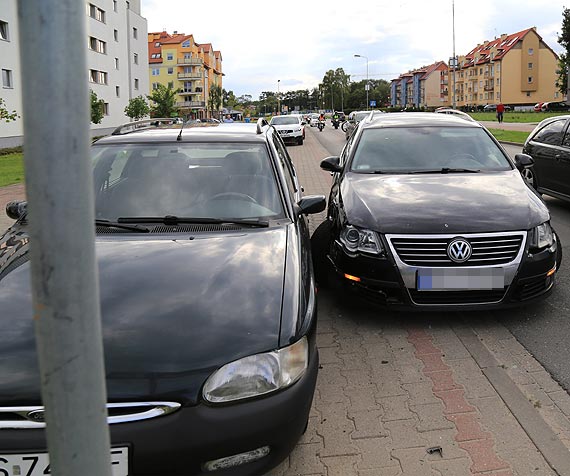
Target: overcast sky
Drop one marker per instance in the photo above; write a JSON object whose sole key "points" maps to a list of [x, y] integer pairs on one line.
{"points": [[298, 41]]}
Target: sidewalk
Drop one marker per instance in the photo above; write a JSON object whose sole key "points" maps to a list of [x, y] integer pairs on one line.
{"points": [[428, 394], [7, 194], [510, 126]]}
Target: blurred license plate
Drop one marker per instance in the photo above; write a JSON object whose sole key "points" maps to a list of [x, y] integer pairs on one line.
{"points": [[464, 279], [37, 464]]}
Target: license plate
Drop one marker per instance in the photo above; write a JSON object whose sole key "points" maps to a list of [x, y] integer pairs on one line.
{"points": [[464, 279], [37, 464]]}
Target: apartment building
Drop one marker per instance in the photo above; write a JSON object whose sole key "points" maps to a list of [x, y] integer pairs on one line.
{"points": [[189, 67], [424, 87], [117, 59], [517, 69]]}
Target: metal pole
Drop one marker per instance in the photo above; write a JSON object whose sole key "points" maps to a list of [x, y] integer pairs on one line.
{"points": [[454, 58], [61, 216], [278, 99], [367, 84]]}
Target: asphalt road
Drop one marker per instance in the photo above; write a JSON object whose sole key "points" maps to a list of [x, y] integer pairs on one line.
{"points": [[542, 328]]}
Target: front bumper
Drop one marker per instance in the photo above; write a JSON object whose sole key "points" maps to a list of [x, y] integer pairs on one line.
{"points": [[381, 281], [180, 443]]}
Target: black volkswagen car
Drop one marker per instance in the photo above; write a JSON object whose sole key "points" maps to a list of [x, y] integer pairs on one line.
{"points": [[549, 145], [207, 299], [428, 212]]}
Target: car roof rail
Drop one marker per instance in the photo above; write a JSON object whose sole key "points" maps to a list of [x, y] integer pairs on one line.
{"points": [[144, 124], [261, 123]]}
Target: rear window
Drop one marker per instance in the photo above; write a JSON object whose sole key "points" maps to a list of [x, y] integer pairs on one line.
{"points": [[414, 149]]}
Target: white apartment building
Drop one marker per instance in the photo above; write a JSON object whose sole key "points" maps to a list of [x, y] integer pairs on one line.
{"points": [[117, 59]]}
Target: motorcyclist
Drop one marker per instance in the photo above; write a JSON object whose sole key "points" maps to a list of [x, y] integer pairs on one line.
{"points": [[322, 116], [335, 120]]}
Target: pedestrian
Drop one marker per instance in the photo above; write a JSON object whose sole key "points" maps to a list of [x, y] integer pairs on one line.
{"points": [[228, 118], [500, 111]]}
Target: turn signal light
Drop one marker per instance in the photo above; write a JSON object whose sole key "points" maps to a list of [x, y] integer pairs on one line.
{"points": [[551, 272], [352, 278]]}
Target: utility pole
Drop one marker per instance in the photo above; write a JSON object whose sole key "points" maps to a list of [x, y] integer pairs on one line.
{"points": [[59, 188], [278, 99], [454, 57]]}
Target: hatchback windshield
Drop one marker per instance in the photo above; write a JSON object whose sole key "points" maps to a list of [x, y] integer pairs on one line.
{"points": [[284, 121], [198, 180], [417, 149]]}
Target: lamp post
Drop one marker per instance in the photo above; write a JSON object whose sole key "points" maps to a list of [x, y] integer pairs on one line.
{"points": [[278, 99], [367, 85]]}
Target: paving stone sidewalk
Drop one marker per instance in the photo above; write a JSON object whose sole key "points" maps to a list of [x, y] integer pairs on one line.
{"points": [[423, 394]]}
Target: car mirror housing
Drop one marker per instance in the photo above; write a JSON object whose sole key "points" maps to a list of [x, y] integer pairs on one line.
{"points": [[16, 209], [311, 204], [523, 161], [331, 164]]}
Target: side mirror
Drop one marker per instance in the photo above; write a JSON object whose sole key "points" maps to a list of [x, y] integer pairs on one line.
{"points": [[331, 164], [523, 161], [311, 204], [16, 209]]}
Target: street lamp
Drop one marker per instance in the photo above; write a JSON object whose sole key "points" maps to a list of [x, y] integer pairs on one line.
{"points": [[278, 99], [367, 86]]}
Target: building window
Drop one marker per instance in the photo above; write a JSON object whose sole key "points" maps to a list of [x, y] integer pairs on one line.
{"points": [[106, 108], [99, 46], [169, 56], [116, 35], [136, 58], [530, 66], [7, 78], [170, 70], [529, 79], [186, 44], [4, 31], [136, 83], [135, 33], [99, 77], [115, 6], [95, 12], [157, 44], [528, 94], [154, 86], [530, 51], [117, 91], [116, 63], [171, 84], [155, 71]]}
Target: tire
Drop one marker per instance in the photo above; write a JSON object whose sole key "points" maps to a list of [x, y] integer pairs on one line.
{"points": [[343, 126], [529, 176], [300, 141], [320, 244]]}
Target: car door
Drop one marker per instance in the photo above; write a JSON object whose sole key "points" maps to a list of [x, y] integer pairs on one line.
{"points": [[546, 149], [563, 164]]}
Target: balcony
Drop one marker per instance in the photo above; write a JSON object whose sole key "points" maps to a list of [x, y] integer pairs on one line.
{"points": [[189, 76], [189, 92], [185, 61], [489, 87], [192, 104], [444, 81]]}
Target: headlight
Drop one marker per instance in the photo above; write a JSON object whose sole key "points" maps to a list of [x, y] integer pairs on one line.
{"points": [[258, 374], [358, 239], [541, 236]]}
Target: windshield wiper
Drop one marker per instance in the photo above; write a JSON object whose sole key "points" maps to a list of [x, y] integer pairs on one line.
{"points": [[445, 170], [174, 220], [111, 224]]}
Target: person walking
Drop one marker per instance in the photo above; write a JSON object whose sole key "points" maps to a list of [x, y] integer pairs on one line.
{"points": [[500, 111]]}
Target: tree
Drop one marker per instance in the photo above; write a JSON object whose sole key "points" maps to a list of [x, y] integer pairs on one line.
{"points": [[164, 99], [215, 98], [137, 108], [5, 114], [564, 58], [97, 108]]}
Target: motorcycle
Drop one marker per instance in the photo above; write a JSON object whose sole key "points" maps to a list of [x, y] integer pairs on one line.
{"points": [[321, 125], [335, 123]]}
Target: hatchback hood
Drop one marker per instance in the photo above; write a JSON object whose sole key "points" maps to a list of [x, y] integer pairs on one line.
{"points": [[173, 310], [442, 203]]}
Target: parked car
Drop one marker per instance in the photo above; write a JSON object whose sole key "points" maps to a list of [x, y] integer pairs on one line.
{"points": [[538, 107], [549, 145], [554, 106], [207, 300], [350, 124], [493, 108], [428, 212], [291, 128]]}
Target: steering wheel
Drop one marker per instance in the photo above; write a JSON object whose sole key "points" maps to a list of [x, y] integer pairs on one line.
{"points": [[465, 159], [235, 195]]}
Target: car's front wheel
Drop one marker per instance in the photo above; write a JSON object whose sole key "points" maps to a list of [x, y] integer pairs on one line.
{"points": [[530, 177]]}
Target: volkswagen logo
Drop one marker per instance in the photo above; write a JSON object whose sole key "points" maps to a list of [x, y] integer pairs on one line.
{"points": [[36, 415], [459, 250]]}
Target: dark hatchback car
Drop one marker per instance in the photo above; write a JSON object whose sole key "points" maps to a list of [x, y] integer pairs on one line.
{"points": [[558, 106], [549, 145], [208, 304], [428, 212]]}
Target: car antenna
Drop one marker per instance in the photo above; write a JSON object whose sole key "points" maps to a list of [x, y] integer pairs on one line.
{"points": [[179, 137]]}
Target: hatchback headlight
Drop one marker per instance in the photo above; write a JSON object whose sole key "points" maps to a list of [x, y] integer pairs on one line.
{"points": [[258, 374], [359, 239], [541, 236]]}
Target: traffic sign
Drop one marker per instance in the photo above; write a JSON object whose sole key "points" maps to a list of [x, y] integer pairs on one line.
{"points": [[372, 103]]}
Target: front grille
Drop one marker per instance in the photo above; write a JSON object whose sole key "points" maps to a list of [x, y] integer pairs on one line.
{"points": [[531, 288], [457, 297], [288, 131], [488, 250]]}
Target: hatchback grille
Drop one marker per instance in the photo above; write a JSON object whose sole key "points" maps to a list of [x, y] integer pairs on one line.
{"points": [[488, 250]]}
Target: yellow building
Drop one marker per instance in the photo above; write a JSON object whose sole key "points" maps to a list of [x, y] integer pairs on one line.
{"points": [[189, 67], [517, 69]]}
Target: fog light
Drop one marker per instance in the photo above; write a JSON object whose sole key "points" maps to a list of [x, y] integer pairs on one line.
{"points": [[236, 460], [551, 272]]}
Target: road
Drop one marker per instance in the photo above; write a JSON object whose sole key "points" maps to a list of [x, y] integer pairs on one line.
{"points": [[543, 328]]}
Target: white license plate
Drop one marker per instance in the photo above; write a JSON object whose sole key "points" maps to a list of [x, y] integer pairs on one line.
{"points": [[37, 464], [464, 279]]}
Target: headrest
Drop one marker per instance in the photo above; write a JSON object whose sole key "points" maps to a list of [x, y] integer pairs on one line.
{"points": [[243, 163]]}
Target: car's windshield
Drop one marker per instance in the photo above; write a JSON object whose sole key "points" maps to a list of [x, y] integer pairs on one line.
{"points": [[203, 180], [284, 120], [413, 149]]}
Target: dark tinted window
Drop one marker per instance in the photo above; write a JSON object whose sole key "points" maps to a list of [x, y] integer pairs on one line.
{"points": [[551, 134]]}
